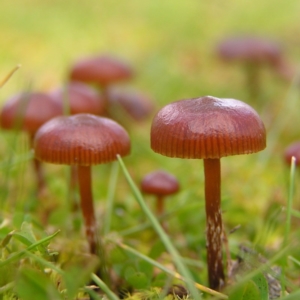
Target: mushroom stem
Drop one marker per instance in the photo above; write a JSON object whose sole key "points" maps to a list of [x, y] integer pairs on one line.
{"points": [[159, 205], [87, 208], [214, 231]]}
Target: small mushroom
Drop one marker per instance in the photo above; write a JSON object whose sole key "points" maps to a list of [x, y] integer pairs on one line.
{"points": [[292, 150], [101, 70], [137, 105], [161, 184], [83, 140], [254, 52], [79, 98], [209, 128], [27, 112]]}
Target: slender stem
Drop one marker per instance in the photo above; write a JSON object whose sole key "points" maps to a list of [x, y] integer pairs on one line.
{"points": [[214, 230], [87, 208], [159, 205]]}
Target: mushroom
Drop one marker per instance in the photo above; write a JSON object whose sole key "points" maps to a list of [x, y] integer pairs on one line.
{"points": [[254, 52], [79, 98], [209, 128], [27, 112], [293, 150], [102, 70], [137, 105], [161, 184], [82, 140]]}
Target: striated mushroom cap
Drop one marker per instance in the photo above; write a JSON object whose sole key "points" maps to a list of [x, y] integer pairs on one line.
{"points": [[81, 139], [207, 127]]}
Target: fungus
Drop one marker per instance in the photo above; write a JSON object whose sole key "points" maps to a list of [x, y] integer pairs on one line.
{"points": [[209, 128], [79, 98], [27, 112], [82, 140], [102, 70], [255, 52], [293, 150], [161, 184], [138, 106]]}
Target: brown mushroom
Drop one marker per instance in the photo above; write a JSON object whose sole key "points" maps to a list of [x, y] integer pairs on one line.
{"points": [[79, 98], [83, 140], [161, 184], [292, 150], [209, 128], [27, 112], [102, 70], [254, 52], [137, 105]]}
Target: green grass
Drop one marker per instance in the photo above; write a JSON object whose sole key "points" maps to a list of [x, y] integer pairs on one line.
{"points": [[171, 44]]}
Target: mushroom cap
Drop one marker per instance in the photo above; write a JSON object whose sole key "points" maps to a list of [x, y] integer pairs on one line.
{"points": [[138, 105], [80, 97], [207, 127], [102, 70], [28, 111], [82, 139], [159, 183], [292, 150], [250, 48]]}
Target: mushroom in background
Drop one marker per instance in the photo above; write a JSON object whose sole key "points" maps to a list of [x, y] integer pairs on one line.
{"points": [[103, 70], [78, 97], [137, 105], [209, 128], [292, 150], [253, 53], [27, 112], [83, 140]]}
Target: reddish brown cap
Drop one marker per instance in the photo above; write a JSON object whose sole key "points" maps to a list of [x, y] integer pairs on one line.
{"points": [[160, 183], [207, 127], [81, 139], [101, 70], [292, 150], [28, 111], [80, 97], [250, 48], [138, 105]]}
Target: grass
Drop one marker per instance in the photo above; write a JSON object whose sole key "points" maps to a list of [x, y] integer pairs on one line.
{"points": [[171, 45]]}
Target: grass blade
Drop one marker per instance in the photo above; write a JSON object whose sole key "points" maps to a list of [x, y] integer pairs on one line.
{"points": [[161, 233], [109, 293], [17, 255]]}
